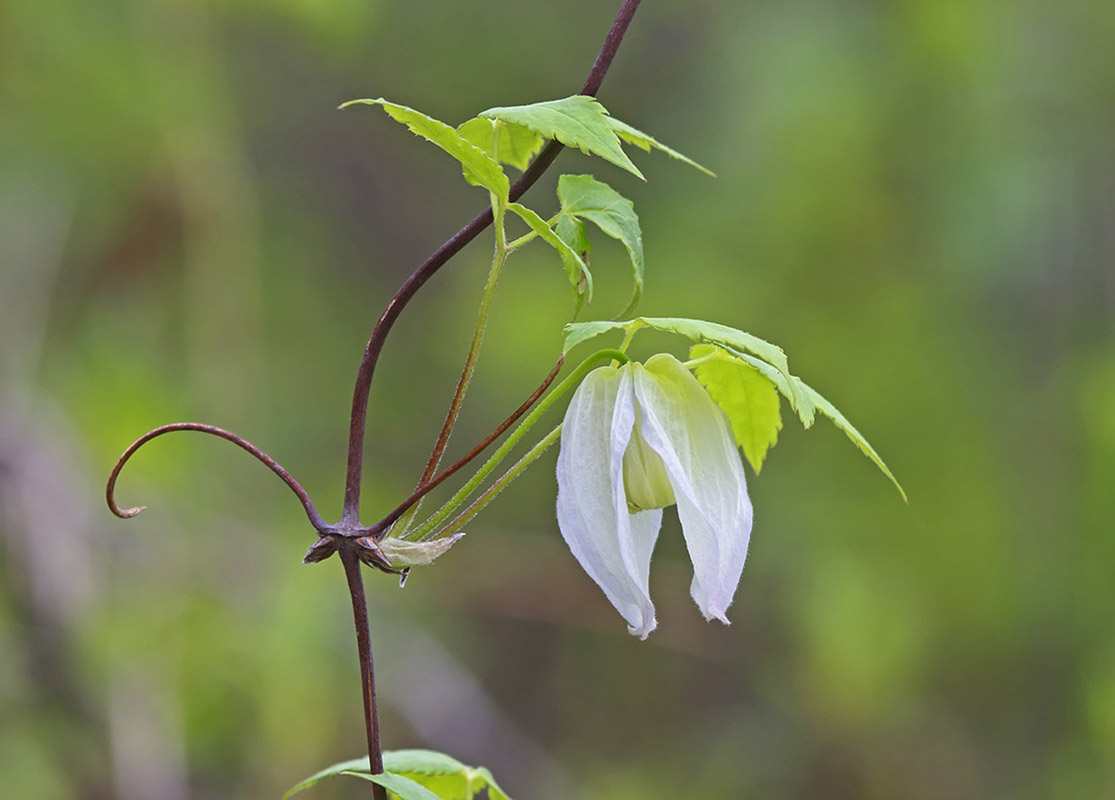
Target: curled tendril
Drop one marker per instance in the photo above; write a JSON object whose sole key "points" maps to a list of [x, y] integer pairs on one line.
{"points": [[125, 513]]}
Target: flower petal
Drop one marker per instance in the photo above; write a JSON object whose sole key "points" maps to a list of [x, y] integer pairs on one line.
{"points": [[613, 546], [688, 430]]}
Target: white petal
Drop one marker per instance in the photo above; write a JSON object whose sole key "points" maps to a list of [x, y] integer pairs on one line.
{"points": [[614, 548], [688, 430]]}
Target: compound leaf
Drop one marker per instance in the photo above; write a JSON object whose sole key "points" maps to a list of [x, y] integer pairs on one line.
{"points": [[480, 169], [830, 411], [646, 142], [579, 276], [578, 121], [584, 197], [517, 143]]}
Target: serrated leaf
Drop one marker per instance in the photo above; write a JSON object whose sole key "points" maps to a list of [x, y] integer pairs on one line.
{"points": [[646, 142], [400, 786], [746, 395], [575, 267], [830, 411], [479, 167], [731, 339], [584, 197], [489, 782], [517, 144], [401, 553], [579, 332], [578, 121], [799, 400]]}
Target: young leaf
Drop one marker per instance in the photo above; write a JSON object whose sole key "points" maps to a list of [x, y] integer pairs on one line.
{"points": [[517, 144], [790, 389], [746, 395], [479, 167], [830, 411], [584, 197], [646, 142], [575, 267], [572, 231], [577, 121], [402, 787]]}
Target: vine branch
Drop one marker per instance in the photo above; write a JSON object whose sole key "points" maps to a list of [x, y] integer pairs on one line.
{"points": [[452, 246]]}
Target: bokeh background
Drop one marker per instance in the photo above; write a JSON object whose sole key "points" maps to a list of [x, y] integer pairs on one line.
{"points": [[916, 199]]}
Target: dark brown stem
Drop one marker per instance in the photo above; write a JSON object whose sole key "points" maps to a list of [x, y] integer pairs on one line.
{"points": [[110, 490], [425, 488], [351, 561], [358, 419]]}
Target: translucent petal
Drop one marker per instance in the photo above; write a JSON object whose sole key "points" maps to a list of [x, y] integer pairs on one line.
{"points": [[613, 546], [688, 430]]}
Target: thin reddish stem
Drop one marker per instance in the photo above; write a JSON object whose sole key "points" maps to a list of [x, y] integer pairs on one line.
{"points": [[351, 562], [359, 415], [426, 487], [110, 490]]}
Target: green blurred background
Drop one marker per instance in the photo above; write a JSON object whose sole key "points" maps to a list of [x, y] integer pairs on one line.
{"points": [[916, 199]]}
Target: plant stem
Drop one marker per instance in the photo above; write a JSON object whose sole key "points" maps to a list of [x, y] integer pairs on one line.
{"points": [[501, 483], [498, 260], [408, 506], [359, 415], [427, 528], [351, 563]]}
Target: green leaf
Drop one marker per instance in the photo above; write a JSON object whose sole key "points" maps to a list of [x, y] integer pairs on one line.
{"points": [[572, 231], [337, 769], [442, 774], [479, 167], [575, 267], [577, 121], [830, 411], [425, 762], [734, 341], [400, 786], [578, 332], [646, 142], [517, 143], [799, 400], [417, 775], [747, 396], [584, 197]]}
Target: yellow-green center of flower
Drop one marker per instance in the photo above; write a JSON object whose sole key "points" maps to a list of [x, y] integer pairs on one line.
{"points": [[644, 475]]}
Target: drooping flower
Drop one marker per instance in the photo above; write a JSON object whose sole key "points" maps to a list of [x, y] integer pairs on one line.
{"points": [[638, 438]]}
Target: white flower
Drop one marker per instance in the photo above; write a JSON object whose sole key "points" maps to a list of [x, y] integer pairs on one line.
{"points": [[637, 438]]}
